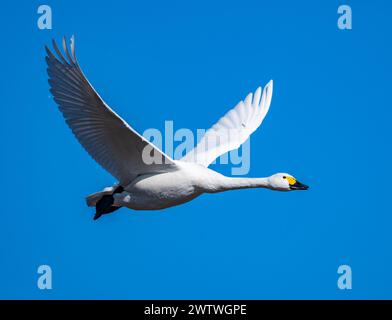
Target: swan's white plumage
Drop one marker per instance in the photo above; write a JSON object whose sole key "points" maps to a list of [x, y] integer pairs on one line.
{"points": [[119, 149], [233, 129], [106, 137]]}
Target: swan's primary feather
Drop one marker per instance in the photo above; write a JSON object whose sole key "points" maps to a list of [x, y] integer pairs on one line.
{"points": [[233, 129], [106, 137]]}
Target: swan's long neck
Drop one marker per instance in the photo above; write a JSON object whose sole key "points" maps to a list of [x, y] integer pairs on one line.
{"points": [[228, 183]]}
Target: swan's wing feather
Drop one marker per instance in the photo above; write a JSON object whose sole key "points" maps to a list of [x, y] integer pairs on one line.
{"points": [[233, 129], [107, 138]]}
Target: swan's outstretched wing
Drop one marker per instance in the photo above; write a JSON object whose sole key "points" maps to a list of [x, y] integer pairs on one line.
{"points": [[233, 129], [106, 137]]}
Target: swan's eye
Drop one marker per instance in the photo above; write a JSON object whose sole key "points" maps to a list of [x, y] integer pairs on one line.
{"points": [[284, 177]]}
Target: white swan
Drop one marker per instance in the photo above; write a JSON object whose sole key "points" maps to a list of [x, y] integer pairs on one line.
{"points": [[145, 184]]}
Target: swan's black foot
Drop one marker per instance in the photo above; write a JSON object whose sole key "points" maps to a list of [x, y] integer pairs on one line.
{"points": [[105, 204]]}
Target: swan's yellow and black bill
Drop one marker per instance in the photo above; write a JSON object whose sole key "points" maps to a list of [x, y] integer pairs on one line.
{"points": [[298, 186]]}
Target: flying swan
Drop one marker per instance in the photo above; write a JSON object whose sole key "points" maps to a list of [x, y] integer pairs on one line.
{"points": [[147, 178]]}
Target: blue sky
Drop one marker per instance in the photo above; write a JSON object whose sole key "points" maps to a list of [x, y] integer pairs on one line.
{"points": [[329, 125]]}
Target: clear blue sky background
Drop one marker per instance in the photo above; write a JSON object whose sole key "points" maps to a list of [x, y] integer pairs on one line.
{"points": [[329, 125]]}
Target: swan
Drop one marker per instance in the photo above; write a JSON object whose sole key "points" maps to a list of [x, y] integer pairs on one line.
{"points": [[144, 184]]}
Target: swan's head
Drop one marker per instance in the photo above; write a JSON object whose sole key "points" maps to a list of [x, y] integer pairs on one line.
{"points": [[285, 182]]}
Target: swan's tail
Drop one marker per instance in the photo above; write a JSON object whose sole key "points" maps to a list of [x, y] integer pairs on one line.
{"points": [[103, 201]]}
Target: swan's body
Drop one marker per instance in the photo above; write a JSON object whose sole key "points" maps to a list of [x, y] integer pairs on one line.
{"points": [[163, 190], [148, 178]]}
